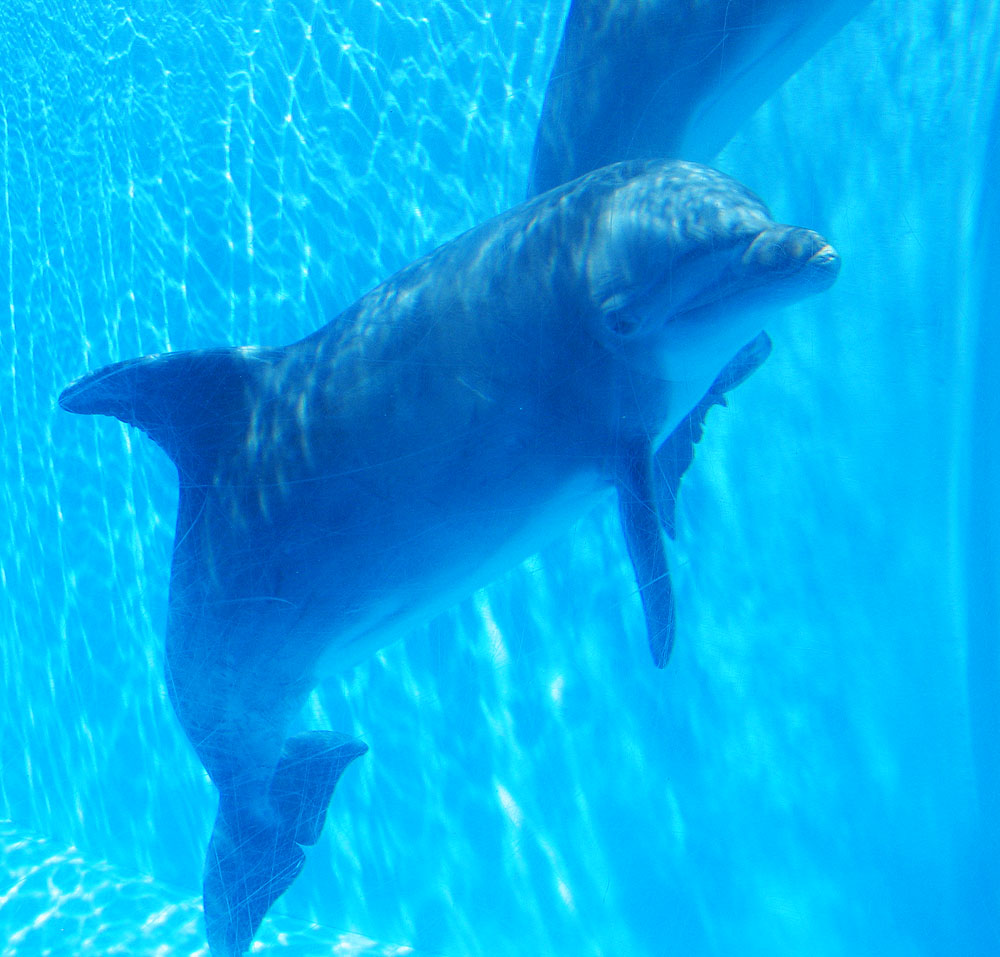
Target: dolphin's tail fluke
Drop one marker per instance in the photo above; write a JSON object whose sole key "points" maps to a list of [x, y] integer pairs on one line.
{"points": [[248, 867], [310, 767], [253, 858]]}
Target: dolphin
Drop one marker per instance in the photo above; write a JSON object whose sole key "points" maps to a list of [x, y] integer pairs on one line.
{"points": [[337, 490], [668, 78]]}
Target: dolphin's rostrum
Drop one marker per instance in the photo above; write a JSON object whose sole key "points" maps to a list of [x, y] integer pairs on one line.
{"points": [[441, 429]]}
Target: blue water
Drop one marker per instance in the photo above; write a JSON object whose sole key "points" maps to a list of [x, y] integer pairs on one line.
{"points": [[816, 771]]}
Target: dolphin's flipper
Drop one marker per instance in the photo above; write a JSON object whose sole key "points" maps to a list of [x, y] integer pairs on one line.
{"points": [[253, 858], [676, 454], [647, 498], [310, 766], [648, 550]]}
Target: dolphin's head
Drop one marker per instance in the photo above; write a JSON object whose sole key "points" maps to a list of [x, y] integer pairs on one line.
{"points": [[685, 266]]}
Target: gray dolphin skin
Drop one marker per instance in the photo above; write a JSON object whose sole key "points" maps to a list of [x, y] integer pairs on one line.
{"points": [[640, 79], [449, 424]]}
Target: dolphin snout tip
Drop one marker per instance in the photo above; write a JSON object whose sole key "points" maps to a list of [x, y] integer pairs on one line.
{"points": [[823, 266], [790, 251], [826, 258]]}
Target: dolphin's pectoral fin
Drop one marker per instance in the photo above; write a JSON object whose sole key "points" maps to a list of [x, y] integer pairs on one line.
{"points": [[253, 858], [674, 457], [310, 767], [743, 365], [248, 867], [648, 551]]}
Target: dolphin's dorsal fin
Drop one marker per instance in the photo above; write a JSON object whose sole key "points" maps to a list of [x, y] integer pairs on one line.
{"points": [[676, 454], [192, 404]]}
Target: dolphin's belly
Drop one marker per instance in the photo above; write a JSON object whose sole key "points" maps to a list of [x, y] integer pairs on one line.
{"points": [[392, 586], [333, 562]]}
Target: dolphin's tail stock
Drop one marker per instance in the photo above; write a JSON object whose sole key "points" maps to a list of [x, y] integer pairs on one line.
{"points": [[253, 857]]}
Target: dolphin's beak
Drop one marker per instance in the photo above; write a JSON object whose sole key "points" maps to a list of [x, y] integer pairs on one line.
{"points": [[789, 254]]}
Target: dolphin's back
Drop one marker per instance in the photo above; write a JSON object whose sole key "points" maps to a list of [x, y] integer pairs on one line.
{"points": [[668, 78]]}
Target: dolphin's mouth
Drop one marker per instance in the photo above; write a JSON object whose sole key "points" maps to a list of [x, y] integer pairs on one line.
{"points": [[788, 253], [780, 264], [825, 255]]}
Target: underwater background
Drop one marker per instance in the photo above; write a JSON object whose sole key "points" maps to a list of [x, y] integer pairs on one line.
{"points": [[816, 772]]}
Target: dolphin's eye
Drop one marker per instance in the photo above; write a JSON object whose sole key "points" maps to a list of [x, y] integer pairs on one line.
{"points": [[622, 322]]}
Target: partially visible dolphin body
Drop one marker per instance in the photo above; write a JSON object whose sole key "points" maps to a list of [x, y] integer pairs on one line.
{"points": [[668, 78], [446, 426]]}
